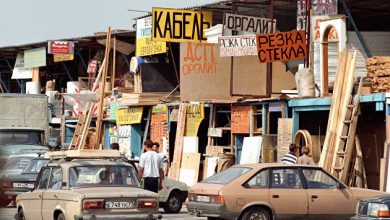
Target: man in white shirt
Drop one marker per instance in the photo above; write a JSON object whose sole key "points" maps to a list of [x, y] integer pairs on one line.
{"points": [[151, 168], [164, 157]]}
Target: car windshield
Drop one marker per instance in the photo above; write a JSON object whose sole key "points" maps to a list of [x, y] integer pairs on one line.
{"points": [[35, 166], [227, 175], [100, 175], [16, 163], [21, 137]]}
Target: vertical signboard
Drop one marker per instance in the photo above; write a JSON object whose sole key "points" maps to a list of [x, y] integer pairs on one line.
{"points": [[158, 125], [35, 57], [281, 46], [145, 46], [180, 25], [194, 116], [240, 119], [20, 71]]}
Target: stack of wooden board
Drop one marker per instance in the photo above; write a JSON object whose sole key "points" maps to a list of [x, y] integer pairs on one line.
{"points": [[148, 98], [379, 72], [341, 98]]}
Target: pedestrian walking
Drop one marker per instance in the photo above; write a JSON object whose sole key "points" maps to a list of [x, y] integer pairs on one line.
{"points": [[290, 157], [305, 158], [164, 157], [151, 168]]}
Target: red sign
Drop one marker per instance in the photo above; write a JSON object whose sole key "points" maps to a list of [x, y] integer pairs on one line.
{"points": [[281, 46], [61, 47]]}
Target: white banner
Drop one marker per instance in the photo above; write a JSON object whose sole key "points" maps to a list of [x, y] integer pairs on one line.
{"points": [[20, 72], [249, 24], [237, 46]]}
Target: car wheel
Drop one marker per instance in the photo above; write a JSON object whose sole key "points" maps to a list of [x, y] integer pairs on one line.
{"points": [[173, 203], [256, 214], [21, 215], [61, 216]]}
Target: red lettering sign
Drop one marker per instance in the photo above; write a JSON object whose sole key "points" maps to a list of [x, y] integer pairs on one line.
{"points": [[281, 46], [61, 47]]}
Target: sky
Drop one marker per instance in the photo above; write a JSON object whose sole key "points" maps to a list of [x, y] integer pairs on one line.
{"points": [[29, 21]]}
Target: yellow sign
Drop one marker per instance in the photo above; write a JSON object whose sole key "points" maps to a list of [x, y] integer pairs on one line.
{"points": [[159, 113], [145, 46], [180, 25], [63, 57], [194, 116], [132, 115]]}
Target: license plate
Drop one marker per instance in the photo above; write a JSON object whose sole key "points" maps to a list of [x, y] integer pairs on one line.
{"points": [[119, 205], [200, 198], [20, 185]]}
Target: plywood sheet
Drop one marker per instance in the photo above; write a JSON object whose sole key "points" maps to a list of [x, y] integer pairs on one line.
{"points": [[189, 169], [203, 74], [251, 150], [284, 136], [249, 77]]}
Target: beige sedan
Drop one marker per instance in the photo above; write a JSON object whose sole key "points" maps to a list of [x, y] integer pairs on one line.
{"points": [[87, 189], [274, 191]]}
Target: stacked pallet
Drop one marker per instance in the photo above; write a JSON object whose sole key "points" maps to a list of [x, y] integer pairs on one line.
{"points": [[341, 97], [379, 72], [148, 98]]}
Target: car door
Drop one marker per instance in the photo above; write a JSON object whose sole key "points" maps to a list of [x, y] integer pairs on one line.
{"points": [[34, 204], [328, 198], [50, 196], [288, 197]]}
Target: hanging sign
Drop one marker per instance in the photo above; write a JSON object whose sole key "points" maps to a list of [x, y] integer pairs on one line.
{"points": [[60, 47], [194, 116], [180, 25], [35, 57], [281, 46], [237, 46], [19, 71], [145, 46], [240, 119], [249, 24], [320, 7], [62, 57], [132, 115], [92, 67], [159, 113]]}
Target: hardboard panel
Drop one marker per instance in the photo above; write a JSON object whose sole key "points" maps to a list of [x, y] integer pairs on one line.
{"points": [[249, 77], [203, 74], [157, 77]]}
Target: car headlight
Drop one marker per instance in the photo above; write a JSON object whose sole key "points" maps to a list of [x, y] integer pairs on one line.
{"points": [[378, 210]]}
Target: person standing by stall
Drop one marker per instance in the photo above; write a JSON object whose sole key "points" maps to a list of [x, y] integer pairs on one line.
{"points": [[151, 168]]}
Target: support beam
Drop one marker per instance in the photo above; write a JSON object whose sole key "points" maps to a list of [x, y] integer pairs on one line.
{"points": [[82, 60], [3, 84], [67, 71]]}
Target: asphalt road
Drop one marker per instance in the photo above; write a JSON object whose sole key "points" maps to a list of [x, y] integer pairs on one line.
{"points": [[8, 214]]}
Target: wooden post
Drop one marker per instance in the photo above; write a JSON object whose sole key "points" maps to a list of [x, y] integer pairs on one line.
{"points": [[113, 65], [178, 151], [99, 121], [35, 74], [146, 131]]}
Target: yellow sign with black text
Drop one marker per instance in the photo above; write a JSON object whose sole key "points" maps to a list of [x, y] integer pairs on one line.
{"points": [[180, 25], [128, 116], [194, 116]]}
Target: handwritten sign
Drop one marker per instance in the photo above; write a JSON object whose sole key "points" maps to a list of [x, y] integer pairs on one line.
{"points": [[92, 67], [145, 46], [248, 23], [180, 25], [315, 24], [199, 59], [159, 113], [194, 116], [240, 119], [281, 46], [158, 131], [60, 47], [132, 115], [19, 71], [62, 57], [237, 46], [35, 57]]}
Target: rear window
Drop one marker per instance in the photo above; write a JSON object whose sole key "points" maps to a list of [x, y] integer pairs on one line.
{"points": [[227, 175]]}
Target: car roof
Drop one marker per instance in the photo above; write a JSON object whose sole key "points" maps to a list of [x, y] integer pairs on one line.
{"points": [[88, 162], [271, 165]]}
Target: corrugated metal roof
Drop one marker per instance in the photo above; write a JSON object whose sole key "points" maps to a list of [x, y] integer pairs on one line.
{"points": [[95, 35]]}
